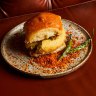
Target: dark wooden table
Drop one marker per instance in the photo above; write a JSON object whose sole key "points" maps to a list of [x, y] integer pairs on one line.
{"points": [[79, 83]]}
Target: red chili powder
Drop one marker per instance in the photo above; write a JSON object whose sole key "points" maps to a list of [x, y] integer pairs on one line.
{"points": [[51, 60]]}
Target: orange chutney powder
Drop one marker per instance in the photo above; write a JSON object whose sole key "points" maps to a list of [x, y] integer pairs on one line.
{"points": [[51, 60]]}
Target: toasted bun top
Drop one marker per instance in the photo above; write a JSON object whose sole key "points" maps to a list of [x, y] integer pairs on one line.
{"points": [[42, 21]]}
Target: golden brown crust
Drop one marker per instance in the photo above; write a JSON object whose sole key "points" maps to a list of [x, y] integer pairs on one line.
{"points": [[42, 27], [42, 21]]}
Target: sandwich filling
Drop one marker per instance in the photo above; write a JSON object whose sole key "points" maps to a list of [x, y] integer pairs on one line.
{"points": [[48, 44]]}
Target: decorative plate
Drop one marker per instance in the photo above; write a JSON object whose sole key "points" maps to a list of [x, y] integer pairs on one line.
{"points": [[16, 55]]}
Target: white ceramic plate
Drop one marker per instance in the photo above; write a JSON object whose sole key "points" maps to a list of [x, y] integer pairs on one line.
{"points": [[14, 52]]}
